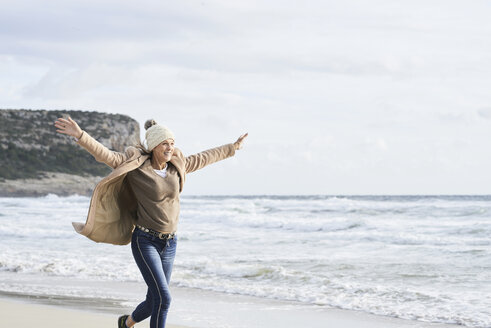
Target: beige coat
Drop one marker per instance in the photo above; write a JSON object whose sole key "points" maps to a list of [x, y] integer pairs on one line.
{"points": [[112, 212]]}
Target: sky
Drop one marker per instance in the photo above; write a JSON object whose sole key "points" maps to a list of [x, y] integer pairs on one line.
{"points": [[338, 97]]}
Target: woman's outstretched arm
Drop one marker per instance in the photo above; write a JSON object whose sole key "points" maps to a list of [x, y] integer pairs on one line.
{"points": [[100, 152], [202, 159]]}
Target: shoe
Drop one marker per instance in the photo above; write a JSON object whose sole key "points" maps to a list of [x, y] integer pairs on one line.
{"points": [[122, 321]]}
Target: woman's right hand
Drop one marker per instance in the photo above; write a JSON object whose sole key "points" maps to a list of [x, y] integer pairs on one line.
{"points": [[68, 127]]}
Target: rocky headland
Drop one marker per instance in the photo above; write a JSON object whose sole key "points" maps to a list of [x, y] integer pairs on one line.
{"points": [[35, 160]]}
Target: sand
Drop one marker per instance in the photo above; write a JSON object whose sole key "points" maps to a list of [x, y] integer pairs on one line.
{"points": [[225, 311], [18, 314]]}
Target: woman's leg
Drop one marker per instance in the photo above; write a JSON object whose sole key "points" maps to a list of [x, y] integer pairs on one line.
{"points": [[142, 311], [154, 258], [167, 257]]}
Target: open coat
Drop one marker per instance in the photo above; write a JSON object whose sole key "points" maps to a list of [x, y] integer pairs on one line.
{"points": [[112, 212]]}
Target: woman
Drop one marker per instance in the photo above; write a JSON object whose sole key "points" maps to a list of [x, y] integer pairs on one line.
{"points": [[139, 202]]}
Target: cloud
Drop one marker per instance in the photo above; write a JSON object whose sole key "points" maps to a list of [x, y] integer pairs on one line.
{"points": [[484, 113], [344, 86], [261, 37], [60, 82]]}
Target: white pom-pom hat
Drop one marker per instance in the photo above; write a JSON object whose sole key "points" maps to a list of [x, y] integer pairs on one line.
{"points": [[156, 134]]}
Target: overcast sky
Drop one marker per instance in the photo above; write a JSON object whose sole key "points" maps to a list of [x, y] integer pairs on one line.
{"points": [[339, 97]]}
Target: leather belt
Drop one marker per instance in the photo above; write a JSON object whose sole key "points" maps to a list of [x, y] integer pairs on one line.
{"points": [[160, 235]]}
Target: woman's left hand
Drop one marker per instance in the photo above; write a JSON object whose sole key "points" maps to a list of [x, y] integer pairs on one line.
{"points": [[238, 143], [69, 127]]}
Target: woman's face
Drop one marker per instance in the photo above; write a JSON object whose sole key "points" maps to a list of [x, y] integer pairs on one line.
{"points": [[163, 152]]}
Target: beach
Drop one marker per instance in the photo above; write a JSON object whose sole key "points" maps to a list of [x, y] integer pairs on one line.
{"points": [[225, 311], [25, 315]]}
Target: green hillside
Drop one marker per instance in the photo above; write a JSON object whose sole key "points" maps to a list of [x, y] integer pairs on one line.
{"points": [[30, 145]]}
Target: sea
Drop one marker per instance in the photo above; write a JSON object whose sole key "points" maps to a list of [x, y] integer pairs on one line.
{"points": [[425, 258]]}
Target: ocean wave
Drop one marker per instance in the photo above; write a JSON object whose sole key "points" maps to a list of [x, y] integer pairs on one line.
{"points": [[433, 306], [416, 257]]}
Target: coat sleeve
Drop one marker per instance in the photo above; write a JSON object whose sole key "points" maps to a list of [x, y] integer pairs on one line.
{"points": [[200, 160], [101, 153]]}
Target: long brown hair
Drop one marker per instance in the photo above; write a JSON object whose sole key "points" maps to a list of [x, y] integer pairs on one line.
{"points": [[141, 147]]}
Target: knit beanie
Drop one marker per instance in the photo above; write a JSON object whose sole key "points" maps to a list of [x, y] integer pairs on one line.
{"points": [[156, 134]]}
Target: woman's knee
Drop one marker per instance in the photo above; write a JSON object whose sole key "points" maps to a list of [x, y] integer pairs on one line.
{"points": [[163, 299]]}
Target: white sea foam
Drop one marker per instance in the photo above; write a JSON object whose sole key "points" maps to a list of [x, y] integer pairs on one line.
{"points": [[424, 258]]}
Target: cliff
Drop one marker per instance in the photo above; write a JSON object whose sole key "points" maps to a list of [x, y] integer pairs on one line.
{"points": [[36, 160]]}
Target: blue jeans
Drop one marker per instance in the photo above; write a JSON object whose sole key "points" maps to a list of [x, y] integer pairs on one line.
{"points": [[154, 258]]}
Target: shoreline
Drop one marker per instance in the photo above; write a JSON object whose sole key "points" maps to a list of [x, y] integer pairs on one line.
{"points": [[84, 186], [24, 314], [196, 308], [317, 256], [60, 184]]}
